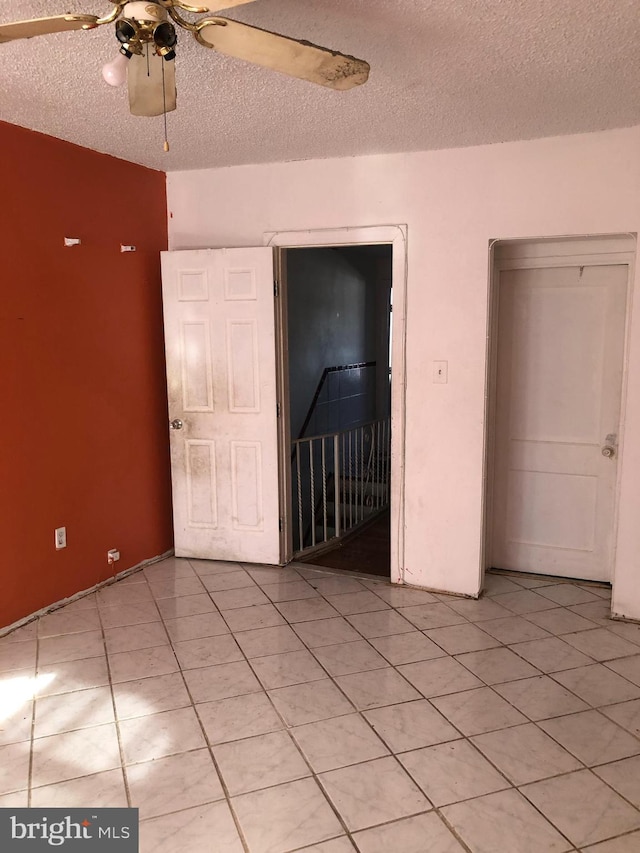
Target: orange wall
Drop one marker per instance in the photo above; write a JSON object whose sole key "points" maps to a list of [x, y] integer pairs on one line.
{"points": [[83, 435]]}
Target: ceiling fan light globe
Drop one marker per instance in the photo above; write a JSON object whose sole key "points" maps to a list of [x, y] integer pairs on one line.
{"points": [[115, 72]]}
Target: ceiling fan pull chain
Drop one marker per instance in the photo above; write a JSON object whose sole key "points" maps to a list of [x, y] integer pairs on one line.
{"points": [[164, 107], [148, 63]]}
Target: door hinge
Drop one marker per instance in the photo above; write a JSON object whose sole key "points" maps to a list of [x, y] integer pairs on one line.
{"points": [[277, 410], [276, 288], [280, 525]]}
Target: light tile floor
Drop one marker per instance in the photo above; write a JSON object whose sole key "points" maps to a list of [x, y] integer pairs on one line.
{"points": [[246, 708]]}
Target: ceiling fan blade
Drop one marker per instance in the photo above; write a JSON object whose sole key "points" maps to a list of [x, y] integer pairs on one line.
{"points": [[297, 58], [222, 5], [45, 26], [147, 95]]}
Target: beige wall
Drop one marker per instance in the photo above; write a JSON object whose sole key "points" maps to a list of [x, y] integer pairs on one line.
{"points": [[454, 203]]}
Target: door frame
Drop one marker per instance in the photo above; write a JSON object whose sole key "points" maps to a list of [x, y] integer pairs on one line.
{"points": [[541, 253], [396, 236]]}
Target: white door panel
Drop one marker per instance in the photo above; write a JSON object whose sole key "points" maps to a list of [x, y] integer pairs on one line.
{"points": [[561, 333], [220, 346]]}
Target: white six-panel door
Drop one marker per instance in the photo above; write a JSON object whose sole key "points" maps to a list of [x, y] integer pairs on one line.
{"points": [[221, 374], [560, 359]]}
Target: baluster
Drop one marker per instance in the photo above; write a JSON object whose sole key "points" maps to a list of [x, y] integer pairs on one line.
{"points": [[387, 453], [362, 469], [350, 479], [299, 479], [375, 442], [337, 480], [312, 487], [324, 491]]}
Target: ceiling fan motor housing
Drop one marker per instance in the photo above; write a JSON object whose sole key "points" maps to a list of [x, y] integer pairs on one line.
{"points": [[145, 12]]}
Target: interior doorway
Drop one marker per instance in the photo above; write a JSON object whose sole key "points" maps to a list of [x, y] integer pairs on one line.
{"points": [[336, 306], [555, 404]]}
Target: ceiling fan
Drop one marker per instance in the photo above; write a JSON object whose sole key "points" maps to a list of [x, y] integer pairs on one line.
{"points": [[147, 37]]}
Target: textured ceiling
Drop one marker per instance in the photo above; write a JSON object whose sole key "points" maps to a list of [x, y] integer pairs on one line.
{"points": [[445, 73]]}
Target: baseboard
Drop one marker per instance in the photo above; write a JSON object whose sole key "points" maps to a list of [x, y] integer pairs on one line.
{"points": [[58, 604]]}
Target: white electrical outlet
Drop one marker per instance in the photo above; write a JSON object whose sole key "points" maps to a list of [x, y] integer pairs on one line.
{"points": [[61, 538], [113, 555]]}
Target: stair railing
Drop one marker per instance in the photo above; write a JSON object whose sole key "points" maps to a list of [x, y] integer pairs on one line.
{"points": [[338, 368], [340, 481]]}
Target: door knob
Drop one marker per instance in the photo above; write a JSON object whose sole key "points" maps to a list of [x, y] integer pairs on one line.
{"points": [[176, 423], [608, 451]]}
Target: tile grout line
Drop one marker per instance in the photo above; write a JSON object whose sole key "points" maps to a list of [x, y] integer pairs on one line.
{"points": [[316, 775], [123, 770], [33, 719], [509, 785], [359, 712], [584, 766], [285, 729], [205, 738], [221, 779], [491, 686], [588, 843], [360, 715], [513, 786], [536, 723]]}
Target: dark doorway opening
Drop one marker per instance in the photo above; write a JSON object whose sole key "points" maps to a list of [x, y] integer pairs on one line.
{"points": [[338, 347]]}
